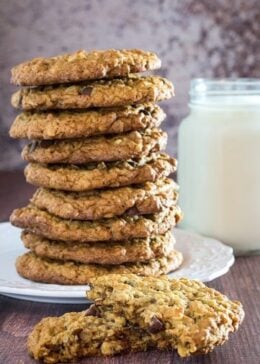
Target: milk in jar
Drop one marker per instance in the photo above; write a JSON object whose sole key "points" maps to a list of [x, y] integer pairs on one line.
{"points": [[219, 162]]}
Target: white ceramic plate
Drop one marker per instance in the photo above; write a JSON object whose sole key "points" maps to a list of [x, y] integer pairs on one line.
{"points": [[204, 259]]}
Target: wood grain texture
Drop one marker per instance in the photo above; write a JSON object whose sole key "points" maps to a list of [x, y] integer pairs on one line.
{"points": [[17, 318]]}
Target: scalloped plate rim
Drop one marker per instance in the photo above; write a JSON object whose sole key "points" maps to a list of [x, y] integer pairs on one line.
{"points": [[36, 291]]}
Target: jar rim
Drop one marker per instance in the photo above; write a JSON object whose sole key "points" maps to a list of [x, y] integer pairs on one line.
{"points": [[228, 91]]}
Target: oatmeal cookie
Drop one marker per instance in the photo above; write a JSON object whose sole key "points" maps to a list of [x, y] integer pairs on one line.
{"points": [[135, 144], [45, 270], [119, 228], [179, 314], [99, 175], [83, 65], [68, 124], [148, 198], [92, 332], [117, 92], [129, 251]]}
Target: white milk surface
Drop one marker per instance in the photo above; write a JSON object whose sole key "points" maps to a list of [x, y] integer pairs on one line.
{"points": [[219, 172]]}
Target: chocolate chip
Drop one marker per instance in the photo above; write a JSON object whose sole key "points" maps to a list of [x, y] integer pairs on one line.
{"points": [[93, 311], [46, 143], [86, 90], [155, 325], [132, 211], [54, 348], [146, 112]]}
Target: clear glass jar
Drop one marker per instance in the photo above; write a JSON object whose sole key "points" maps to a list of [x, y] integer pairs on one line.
{"points": [[219, 162]]}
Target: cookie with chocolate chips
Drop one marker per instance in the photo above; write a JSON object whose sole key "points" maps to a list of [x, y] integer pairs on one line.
{"points": [[99, 175], [41, 222], [113, 253], [147, 198], [69, 124], [45, 270], [135, 144], [139, 313], [104, 93], [179, 314], [83, 65], [93, 332]]}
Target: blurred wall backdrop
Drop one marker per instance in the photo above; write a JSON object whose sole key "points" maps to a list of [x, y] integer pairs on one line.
{"points": [[206, 38]]}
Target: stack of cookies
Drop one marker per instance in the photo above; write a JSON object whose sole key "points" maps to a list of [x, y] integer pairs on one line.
{"points": [[105, 203]]}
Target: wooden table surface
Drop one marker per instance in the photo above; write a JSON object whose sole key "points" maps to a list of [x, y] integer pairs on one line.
{"points": [[17, 317]]}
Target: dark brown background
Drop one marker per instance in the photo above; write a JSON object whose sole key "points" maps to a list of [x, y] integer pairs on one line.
{"points": [[203, 38]]}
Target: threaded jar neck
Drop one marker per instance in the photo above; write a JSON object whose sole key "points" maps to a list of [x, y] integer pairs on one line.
{"points": [[241, 92]]}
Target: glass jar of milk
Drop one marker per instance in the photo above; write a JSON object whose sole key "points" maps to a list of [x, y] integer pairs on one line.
{"points": [[219, 162]]}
